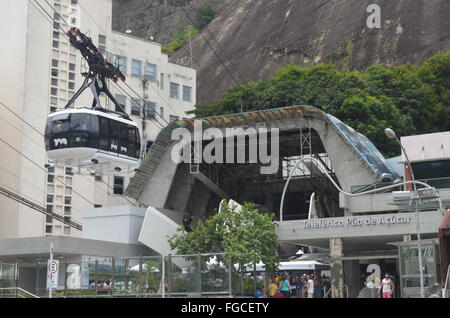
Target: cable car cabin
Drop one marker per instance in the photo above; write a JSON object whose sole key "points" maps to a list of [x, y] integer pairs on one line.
{"points": [[94, 141]]}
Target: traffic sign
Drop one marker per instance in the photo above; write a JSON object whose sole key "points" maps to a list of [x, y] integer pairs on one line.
{"points": [[52, 273]]}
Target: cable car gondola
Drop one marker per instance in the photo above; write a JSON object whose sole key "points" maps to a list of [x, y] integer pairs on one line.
{"points": [[97, 141], [94, 140]]}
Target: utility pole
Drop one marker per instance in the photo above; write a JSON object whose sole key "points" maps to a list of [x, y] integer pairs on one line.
{"points": [[144, 108]]}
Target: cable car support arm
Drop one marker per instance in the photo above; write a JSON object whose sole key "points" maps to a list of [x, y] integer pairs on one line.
{"points": [[99, 70]]}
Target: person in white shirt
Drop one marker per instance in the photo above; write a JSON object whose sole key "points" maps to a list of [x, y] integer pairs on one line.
{"points": [[387, 287], [309, 286]]}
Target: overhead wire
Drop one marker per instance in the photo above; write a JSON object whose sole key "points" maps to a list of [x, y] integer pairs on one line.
{"points": [[221, 47], [34, 186], [37, 165], [23, 199], [126, 84]]}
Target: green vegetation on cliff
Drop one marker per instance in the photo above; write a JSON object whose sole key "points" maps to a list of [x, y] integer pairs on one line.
{"points": [[411, 99], [204, 16]]}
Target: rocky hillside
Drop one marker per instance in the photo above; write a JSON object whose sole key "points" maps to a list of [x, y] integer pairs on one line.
{"points": [[259, 36]]}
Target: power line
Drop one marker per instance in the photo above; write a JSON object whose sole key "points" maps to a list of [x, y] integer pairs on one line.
{"points": [[37, 165], [21, 199], [221, 48], [138, 95], [34, 186], [212, 49]]}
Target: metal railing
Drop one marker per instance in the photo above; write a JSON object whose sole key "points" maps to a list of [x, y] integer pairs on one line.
{"points": [[15, 292], [196, 275], [367, 292]]}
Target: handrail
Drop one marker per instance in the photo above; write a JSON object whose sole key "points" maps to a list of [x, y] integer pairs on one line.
{"points": [[367, 292], [17, 289]]}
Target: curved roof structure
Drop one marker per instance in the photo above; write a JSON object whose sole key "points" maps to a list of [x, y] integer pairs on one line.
{"points": [[354, 158]]}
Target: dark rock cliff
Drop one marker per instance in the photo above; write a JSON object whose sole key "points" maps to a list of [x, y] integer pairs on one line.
{"points": [[259, 36]]}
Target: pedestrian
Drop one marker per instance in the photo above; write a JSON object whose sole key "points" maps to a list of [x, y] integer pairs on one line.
{"points": [[285, 287], [387, 287], [309, 286], [293, 283], [299, 287], [272, 289]]}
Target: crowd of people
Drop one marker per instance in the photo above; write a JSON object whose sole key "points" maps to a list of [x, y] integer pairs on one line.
{"points": [[296, 286]]}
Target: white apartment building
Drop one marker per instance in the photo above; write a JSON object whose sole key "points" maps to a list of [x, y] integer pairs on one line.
{"points": [[41, 73]]}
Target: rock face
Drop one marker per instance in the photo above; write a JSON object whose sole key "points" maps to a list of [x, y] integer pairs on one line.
{"points": [[157, 18], [257, 37]]}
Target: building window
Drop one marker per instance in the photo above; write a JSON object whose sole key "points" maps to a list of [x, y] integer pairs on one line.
{"points": [[48, 229], [98, 178], [122, 100], [150, 109], [53, 101], [49, 208], [54, 72], [162, 81], [55, 63], [74, 2], [54, 91], [55, 25], [54, 82], [118, 185], [101, 39], [69, 171], [161, 112], [187, 93], [121, 62], [173, 118], [52, 109], [68, 191], [175, 90], [55, 44], [72, 85], [150, 71], [56, 35], [72, 66], [97, 206], [48, 219], [67, 210], [136, 106], [73, 58], [66, 230], [71, 76], [136, 67], [50, 178], [68, 200]]}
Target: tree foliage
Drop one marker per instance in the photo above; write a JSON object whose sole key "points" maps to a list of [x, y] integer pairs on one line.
{"points": [[246, 237], [203, 17], [412, 99]]}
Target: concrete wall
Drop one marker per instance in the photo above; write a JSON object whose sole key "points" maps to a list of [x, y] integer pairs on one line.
{"points": [[120, 224]]}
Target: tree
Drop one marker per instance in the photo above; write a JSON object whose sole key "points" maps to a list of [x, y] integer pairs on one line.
{"points": [[245, 237], [413, 99], [204, 16]]}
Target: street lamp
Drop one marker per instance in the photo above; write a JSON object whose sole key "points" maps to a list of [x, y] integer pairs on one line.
{"points": [[391, 134]]}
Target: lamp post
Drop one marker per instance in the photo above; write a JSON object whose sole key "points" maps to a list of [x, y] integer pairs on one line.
{"points": [[391, 134]]}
